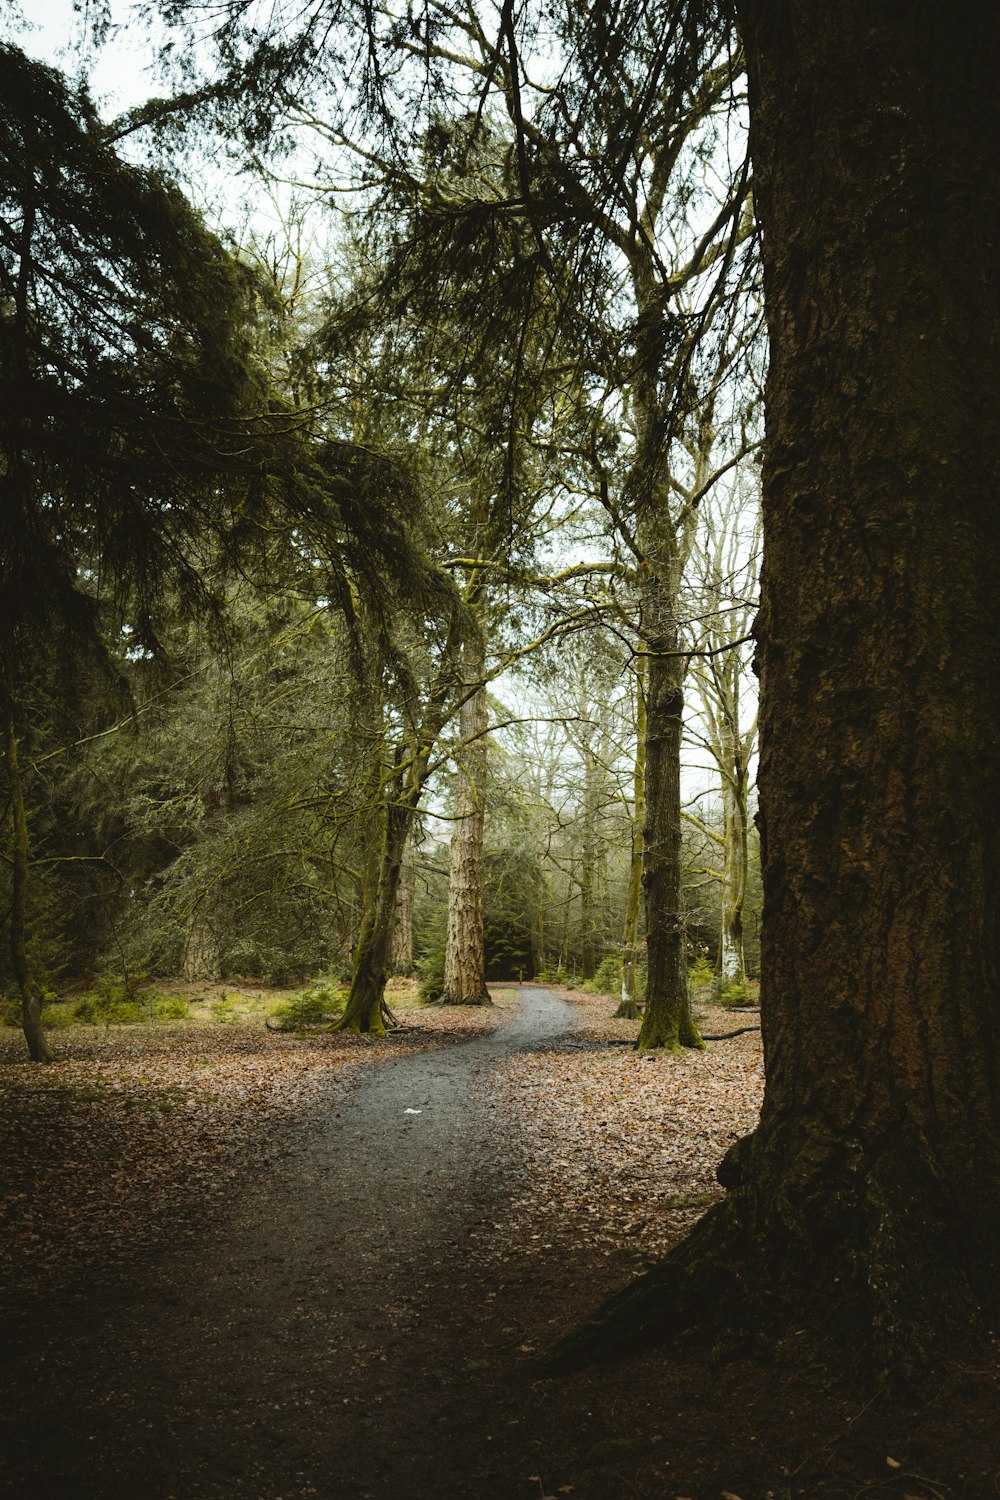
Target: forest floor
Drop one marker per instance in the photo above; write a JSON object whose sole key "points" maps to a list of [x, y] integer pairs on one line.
{"points": [[240, 1263]]}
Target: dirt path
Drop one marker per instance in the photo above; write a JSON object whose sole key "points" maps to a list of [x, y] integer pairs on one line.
{"points": [[336, 1336], [236, 1265]]}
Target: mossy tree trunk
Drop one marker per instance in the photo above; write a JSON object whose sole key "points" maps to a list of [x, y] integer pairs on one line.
{"points": [[366, 1011], [392, 807], [464, 959], [868, 1200], [401, 954], [628, 1008], [31, 995]]}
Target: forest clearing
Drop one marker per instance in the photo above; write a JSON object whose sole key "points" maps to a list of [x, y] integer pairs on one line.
{"points": [[203, 1296]]}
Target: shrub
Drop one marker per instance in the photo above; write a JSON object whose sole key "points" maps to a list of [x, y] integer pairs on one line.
{"points": [[223, 1009], [701, 973], [731, 992], [111, 1004], [608, 979], [124, 1003], [171, 1008], [310, 1007]]}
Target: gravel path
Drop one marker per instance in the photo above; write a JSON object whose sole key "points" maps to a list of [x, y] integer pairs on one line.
{"points": [[337, 1335]]}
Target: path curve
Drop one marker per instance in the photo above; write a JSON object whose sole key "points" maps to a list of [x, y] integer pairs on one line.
{"points": [[336, 1337]]}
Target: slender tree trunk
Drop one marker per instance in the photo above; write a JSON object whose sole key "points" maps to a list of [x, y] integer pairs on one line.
{"points": [[734, 879], [401, 955], [464, 959], [628, 1009], [868, 1200], [588, 869], [31, 995], [667, 1021]]}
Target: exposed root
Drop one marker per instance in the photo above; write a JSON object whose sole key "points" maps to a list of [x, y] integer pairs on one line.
{"points": [[816, 1244]]}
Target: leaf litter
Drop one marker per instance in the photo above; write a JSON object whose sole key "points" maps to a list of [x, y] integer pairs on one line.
{"points": [[140, 1134], [614, 1145]]}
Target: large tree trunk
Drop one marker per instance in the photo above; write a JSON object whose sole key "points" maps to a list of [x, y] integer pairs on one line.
{"points": [[869, 1197], [31, 995], [464, 959]]}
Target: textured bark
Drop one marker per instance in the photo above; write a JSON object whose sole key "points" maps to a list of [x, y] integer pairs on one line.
{"points": [[366, 1010], [628, 1008], [31, 995], [395, 793], [667, 1022], [401, 954], [464, 960], [869, 1197]]}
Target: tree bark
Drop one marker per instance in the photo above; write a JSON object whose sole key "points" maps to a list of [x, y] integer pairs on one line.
{"points": [[628, 1008], [31, 995], [868, 1200], [464, 959], [401, 954], [667, 1022], [366, 1011], [588, 864]]}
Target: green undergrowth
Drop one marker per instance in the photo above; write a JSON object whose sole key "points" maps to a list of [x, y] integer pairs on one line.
{"points": [[320, 1002], [734, 993], [109, 1003]]}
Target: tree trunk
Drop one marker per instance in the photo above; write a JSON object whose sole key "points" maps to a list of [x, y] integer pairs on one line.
{"points": [[734, 877], [201, 954], [667, 1022], [464, 959], [868, 1199], [401, 954], [31, 996], [628, 1009], [588, 866], [366, 1011]]}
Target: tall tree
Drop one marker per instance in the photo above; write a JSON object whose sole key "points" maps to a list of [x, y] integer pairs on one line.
{"points": [[146, 450], [868, 1200], [465, 955]]}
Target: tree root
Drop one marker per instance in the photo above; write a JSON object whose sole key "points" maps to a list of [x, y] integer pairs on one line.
{"points": [[819, 1244], [722, 1036]]}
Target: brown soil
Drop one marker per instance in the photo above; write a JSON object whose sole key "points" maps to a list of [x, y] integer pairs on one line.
{"points": [[247, 1265]]}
